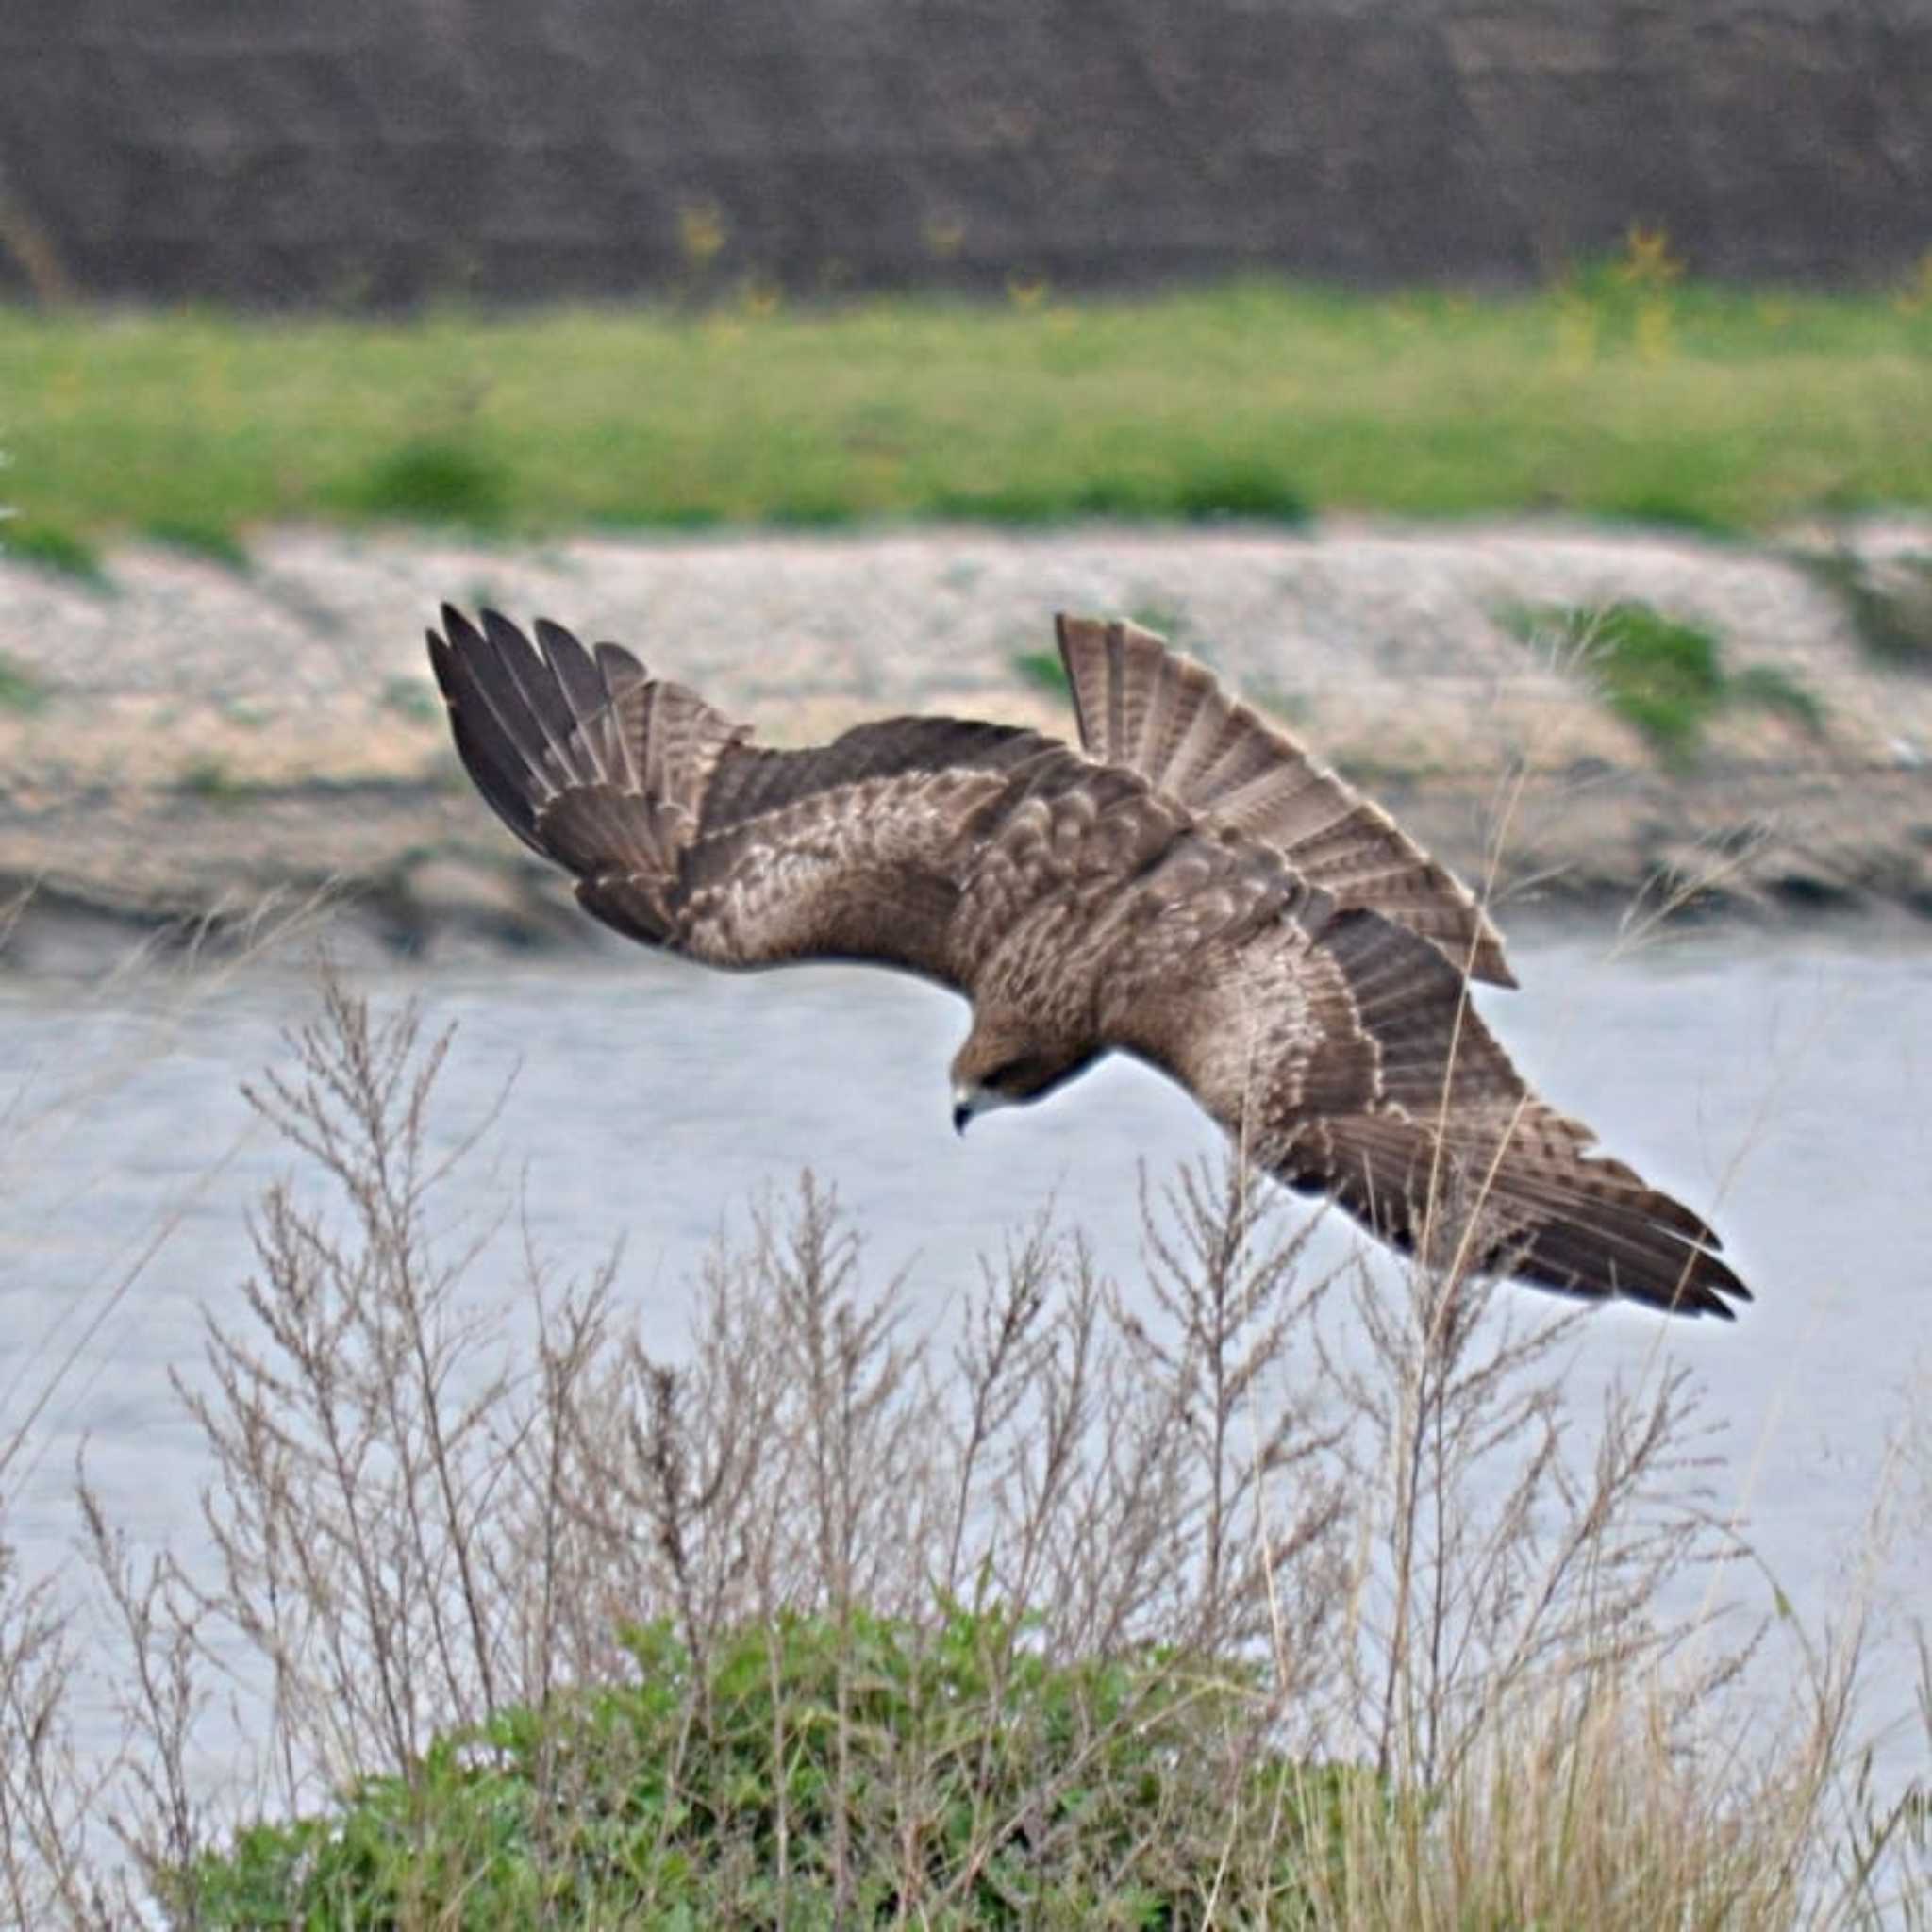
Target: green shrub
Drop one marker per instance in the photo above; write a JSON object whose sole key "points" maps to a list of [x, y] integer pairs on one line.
{"points": [[807, 1774]]}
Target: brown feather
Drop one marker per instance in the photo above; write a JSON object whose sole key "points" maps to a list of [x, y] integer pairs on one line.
{"points": [[1383, 1085]]}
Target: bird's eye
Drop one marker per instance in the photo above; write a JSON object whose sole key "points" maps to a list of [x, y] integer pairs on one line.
{"points": [[1008, 1073]]}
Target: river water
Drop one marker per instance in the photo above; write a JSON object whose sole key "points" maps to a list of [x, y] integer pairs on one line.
{"points": [[1780, 1086]]}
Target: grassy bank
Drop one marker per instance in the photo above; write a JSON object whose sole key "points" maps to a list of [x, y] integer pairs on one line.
{"points": [[1624, 393]]}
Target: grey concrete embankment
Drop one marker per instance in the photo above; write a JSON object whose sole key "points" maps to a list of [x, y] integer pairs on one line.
{"points": [[186, 740], [383, 151]]}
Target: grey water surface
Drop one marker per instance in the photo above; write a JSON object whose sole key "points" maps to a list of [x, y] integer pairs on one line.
{"points": [[1780, 1086]]}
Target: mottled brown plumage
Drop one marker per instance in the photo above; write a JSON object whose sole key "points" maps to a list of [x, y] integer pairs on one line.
{"points": [[1192, 891]]}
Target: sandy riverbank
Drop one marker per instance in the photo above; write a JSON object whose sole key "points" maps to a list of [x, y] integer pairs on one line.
{"points": [[186, 739]]}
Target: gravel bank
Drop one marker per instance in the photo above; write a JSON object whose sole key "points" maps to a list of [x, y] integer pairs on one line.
{"points": [[186, 739]]}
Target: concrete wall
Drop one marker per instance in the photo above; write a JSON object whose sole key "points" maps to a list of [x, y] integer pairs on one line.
{"points": [[355, 151]]}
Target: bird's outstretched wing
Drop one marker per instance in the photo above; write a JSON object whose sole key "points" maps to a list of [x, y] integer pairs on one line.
{"points": [[681, 834], [1148, 708], [1342, 1052]]}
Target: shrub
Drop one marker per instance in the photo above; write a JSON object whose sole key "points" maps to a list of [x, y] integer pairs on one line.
{"points": [[803, 1773]]}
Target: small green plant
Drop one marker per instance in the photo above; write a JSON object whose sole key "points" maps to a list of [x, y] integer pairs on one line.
{"points": [[1660, 676], [1663, 676], [1628, 302], [19, 690], [211, 542], [432, 481], [1042, 670], [53, 547]]}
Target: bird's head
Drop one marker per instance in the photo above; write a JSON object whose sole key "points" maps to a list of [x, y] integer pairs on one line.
{"points": [[1001, 1066]]}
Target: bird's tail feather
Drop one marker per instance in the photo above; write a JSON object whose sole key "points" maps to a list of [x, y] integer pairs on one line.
{"points": [[1142, 704], [1519, 1197]]}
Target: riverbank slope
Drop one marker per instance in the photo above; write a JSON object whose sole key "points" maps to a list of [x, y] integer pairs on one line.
{"points": [[181, 740]]}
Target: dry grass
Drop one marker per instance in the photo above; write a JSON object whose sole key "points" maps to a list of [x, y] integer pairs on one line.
{"points": [[1063, 1613]]}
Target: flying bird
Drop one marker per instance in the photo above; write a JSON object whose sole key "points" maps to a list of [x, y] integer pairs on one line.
{"points": [[1189, 887]]}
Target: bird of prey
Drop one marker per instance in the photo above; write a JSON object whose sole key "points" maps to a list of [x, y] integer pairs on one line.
{"points": [[1188, 887]]}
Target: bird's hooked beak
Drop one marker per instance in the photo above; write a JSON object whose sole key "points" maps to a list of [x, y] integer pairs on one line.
{"points": [[969, 1100]]}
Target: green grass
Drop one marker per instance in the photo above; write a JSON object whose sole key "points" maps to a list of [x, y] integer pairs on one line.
{"points": [[954, 1781], [211, 542], [52, 546], [430, 481], [1708, 408], [1665, 508], [1665, 677]]}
